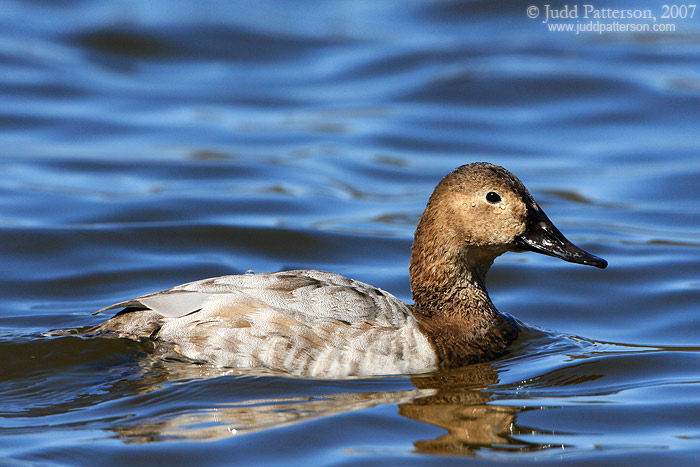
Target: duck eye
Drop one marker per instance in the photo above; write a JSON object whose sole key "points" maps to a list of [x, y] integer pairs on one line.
{"points": [[493, 197]]}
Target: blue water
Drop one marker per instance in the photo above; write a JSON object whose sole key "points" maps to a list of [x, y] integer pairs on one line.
{"points": [[147, 144]]}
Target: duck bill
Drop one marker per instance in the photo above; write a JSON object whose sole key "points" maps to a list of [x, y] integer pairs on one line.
{"points": [[542, 236]]}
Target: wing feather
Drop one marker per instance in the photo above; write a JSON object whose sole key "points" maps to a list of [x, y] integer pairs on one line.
{"points": [[305, 295]]}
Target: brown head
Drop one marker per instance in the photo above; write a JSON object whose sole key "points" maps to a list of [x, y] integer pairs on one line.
{"points": [[476, 213]]}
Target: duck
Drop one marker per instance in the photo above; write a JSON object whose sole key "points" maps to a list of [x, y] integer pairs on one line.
{"points": [[318, 324]]}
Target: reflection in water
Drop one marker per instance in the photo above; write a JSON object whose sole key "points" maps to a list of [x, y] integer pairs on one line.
{"points": [[451, 399], [258, 415], [461, 407]]}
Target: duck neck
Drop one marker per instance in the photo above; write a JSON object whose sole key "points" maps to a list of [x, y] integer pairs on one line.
{"points": [[452, 305], [450, 284]]}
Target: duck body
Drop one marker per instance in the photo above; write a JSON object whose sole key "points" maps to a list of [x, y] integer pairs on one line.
{"points": [[303, 322], [319, 324]]}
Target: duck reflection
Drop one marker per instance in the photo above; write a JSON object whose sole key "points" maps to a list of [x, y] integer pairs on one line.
{"points": [[460, 406], [454, 400]]}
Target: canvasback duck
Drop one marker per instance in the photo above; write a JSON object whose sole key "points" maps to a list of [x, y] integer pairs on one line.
{"points": [[319, 324]]}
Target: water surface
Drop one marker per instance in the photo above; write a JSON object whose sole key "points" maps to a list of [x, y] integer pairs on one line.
{"points": [[143, 145]]}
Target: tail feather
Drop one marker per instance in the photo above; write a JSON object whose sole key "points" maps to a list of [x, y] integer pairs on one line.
{"points": [[132, 323]]}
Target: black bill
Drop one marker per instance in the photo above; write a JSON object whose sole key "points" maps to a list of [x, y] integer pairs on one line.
{"points": [[543, 237]]}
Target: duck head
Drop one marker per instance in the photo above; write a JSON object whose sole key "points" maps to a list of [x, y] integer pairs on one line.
{"points": [[478, 212]]}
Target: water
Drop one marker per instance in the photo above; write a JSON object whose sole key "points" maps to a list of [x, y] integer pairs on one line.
{"points": [[146, 144]]}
